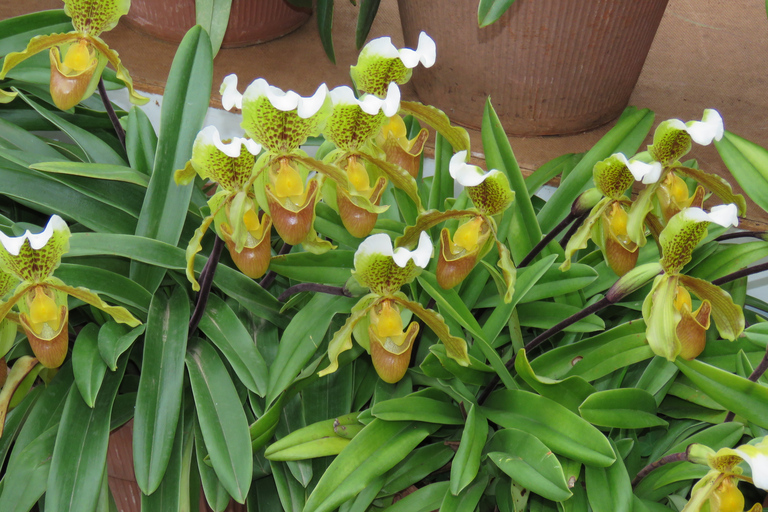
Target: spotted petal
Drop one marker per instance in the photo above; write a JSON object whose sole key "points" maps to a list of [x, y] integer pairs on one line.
{"points": [[381, 63], [686, 229], [282, 121], [641, 171], [728, 317], [353, 123], [612, 176], [34, 257], [93, 17]]}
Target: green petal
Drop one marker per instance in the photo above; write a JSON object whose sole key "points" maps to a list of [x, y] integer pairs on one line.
{"points": [[373, 72], [641, 207], [195, 247], [455, 347], [508, 271], [119, 314], [121, 71], [95, 16], [7, 282], [35, 46], [18, 293], [670, 142], [678, 240], [729, 318], [493, 195], [6, 97], [314, 244], [34, 265], [719, 186], [349, 128], [661, 317], [342, 339], [612, 177], [456, 136], [399, 177], [582, 235]]}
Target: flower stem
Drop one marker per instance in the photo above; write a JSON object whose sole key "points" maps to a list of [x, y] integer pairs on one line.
{"points": [[673, 457], [313, 287], [269, 278], [548, 238], [756, 374], [111, 113], [740, 273], [206, 279]]}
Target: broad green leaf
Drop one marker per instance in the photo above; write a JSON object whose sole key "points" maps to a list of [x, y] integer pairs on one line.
{"points": [[87, 363], [224, 329], [140, 141], [158, 402], [555, 283], [213, 16], [529, 462], [426, 499], [569, 392], [21, 139], [544, 315], [114, 339], [104, 282], [17, 383], [441, 189], [17, 31], [291, 492], [80, 455], [418, 408], [468, 499], [419, 464], [730, 258], [215, 493], [15, 420], [608, 488], [301, 339], [561, 430], [748, 163], [94, 170], [626, 137], [489, 11], [221, 418], [26, 477], [333, 267], [185, 103], [744, 397], [376, 449], [466, 463], [621, 408]]}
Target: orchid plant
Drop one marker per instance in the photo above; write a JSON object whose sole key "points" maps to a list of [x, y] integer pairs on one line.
{"points": [[373, 338]]}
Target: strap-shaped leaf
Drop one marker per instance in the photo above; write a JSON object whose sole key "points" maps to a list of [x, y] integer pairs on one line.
{"points": [[87, 363], [466, 463], [569, 392], [489, 11], [748, 163], [324, 10]]}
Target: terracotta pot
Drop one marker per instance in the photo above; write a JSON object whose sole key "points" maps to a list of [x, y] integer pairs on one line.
{"points": [[250, 21], [550, 67]]}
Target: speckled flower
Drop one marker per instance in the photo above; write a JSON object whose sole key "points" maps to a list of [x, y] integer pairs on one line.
{"points": [[41, 298], [74, 78], [489, 191]]}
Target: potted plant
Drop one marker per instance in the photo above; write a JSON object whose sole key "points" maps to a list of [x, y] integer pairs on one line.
{"points": [[388, 345]]}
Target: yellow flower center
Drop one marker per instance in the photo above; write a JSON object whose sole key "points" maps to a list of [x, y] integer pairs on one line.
{"points": [[78, 58], [395, 126], [727, 497], [468, 234], [43, 310], [677, 188], [682, 298], [252, 223], [619, 220], [389, 323], [357, 175], [288, 182]]}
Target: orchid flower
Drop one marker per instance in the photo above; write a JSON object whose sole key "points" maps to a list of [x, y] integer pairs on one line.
{"points": [[234, 211], [381, 63], [672, 327], [384, 270], [398, 148], [41, 298], [718, 490], [74, 78]]}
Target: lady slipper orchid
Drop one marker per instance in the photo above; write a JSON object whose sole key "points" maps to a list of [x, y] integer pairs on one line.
{"points": [[718, 490], [380, 63], [41, 298], [384, 270], [234, 212], [672, 327], [398, 148], [459, 256], [489, 191], [75, 76]]}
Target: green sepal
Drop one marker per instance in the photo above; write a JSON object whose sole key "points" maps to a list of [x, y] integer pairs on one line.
{"points": [[186, 175], [493, 195], [350, 128], [508, 271], [670, 142], [381, 274], [456, 136], [427, 220], [119, 314], [36, 45], [641, 207], [342, 339], [729, 317], [35, 265], [7, 97], [93, 17], [373, 72], [678, 240], [455, 347], [399, 177], [612, 177], [18, 293], [662, 318], [582, 235], [716, 184]]}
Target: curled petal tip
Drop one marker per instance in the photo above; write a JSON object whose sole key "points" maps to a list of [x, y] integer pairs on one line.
{"points": [[420, 256], [36, 241], [465, 174], [708, 129], [230, 96]]}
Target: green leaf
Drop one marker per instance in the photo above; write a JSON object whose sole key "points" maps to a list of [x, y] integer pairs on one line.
{"points": [[221, 418], [185, 103], [489, 11], [748, 163], [742, 396], [80, 455], [570, 392], [621, 408], [626, 137], [140, 141], [561, 430], [730, 258], [333, 267], [468, 499], [555, 283], [26, 477], [87, 363], [418, 408], [376, 449], [213, 16], [529, 463], [324, 10], [365, 17], [426, 499], [609, 489], [544, 315], [419, 464], [95, 170], [114, 339], [158, 402], [104, 282], [215, 493], [225, 330], [17, 31], [466, 463]]}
